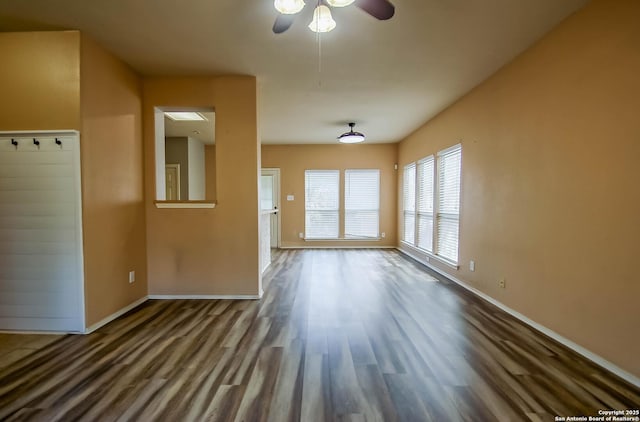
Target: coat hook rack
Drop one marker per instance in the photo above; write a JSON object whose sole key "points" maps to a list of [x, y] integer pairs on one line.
{"points": [[58, 142], [36, 143], [14, 143]]}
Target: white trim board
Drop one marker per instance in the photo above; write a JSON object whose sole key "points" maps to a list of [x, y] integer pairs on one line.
{"points": [[598, 360], [194, 297], [61, 132], [140, 301], [47, 333], [185, 205], [108, 319], [344, 239], [337, 247]]}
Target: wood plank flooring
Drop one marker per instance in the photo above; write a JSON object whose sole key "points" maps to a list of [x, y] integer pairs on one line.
{"points": [[340, 335]]}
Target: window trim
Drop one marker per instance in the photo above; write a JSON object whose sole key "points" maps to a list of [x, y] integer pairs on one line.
{"points": [[436, 214], [406, 212]]}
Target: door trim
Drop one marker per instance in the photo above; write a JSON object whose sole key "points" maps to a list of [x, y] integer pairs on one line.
{"points": [[275, 172], [175, 166]]}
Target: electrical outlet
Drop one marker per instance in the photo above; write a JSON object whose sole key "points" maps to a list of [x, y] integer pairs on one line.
{"points": [[383, 235], [301, 235], [502, 283], [472, 265], [132, 276]]}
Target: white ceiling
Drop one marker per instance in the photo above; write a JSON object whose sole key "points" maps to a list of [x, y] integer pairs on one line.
{"points": [[389, 77], [204, 130]]}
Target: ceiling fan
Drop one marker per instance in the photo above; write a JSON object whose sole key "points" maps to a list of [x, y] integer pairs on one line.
{"points": [[322, 20]]}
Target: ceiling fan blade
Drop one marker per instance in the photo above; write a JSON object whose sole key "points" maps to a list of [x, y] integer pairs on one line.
{"points": [[379, 9], [282, 23]]}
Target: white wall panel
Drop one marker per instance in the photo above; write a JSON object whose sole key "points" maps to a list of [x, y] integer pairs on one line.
{"points": [[41, 273]]}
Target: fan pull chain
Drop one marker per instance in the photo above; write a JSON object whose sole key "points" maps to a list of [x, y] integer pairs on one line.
{"points": [[319, 39], [319, 59]]}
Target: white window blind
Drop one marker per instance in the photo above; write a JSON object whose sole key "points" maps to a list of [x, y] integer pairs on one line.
{"points": [[409, 203], [322, 204], [361, 203], [448, 216], [425, 203]]}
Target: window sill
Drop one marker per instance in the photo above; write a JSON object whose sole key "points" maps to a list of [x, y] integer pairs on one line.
{"points": [[185, 204], [429, 256], [344, 239]]}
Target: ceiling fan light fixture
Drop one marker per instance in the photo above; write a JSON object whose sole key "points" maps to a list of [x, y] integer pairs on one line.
{"points": [[351, 137], [322, 20], [339, 3], [288, 7]]}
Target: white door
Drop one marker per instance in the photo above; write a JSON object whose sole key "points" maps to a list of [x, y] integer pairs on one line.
{"points": [[270, 200], [172, 181]]}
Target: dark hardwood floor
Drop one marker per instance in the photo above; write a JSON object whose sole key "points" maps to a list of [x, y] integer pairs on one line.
{"points": [[349, 335]]}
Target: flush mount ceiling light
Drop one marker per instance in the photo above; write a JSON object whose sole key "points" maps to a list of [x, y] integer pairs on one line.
{"points": [[322, 20], [351, 137], [288, 7], [185, 116], [340, 3]]}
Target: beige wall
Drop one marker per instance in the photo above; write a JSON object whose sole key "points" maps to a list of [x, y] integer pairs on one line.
{"points": [[62, 80], [112, 182], [550, 196], [40, 74], [210, 172], [208, 251], [293, 160], [197, 174]]}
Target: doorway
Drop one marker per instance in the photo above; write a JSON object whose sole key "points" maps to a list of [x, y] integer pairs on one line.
{"points": [[270, 200], [172, 180]]}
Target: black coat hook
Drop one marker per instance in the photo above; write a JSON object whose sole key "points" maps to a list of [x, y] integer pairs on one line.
{"points": [[36, 142], [14, 143], [58, 142]]}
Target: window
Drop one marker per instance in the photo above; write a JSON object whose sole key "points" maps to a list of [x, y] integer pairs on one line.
{"points": [[432, 216], [409, 203], [266, 192], [425, 204], [361, 203], [448, 217], [322, 204]]}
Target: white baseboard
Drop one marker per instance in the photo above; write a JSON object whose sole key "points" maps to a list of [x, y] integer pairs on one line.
{"points": [[336, 247], [598, 360], [115, 315], [140, 301], [188, 297]]}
